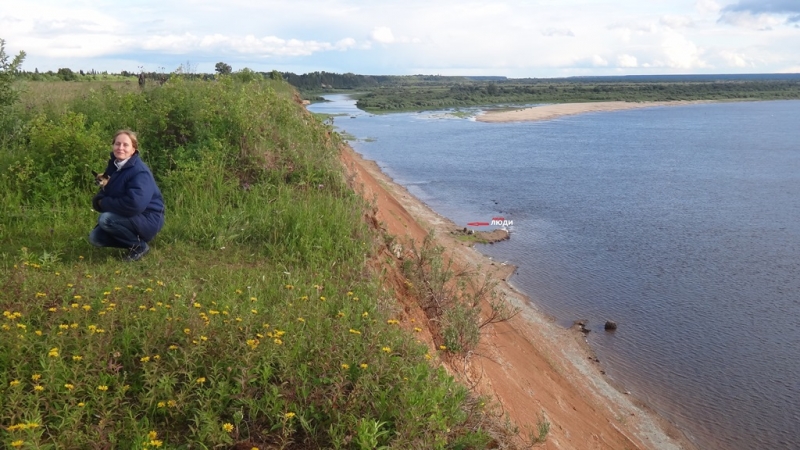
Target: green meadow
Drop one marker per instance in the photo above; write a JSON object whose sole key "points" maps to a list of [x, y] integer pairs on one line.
{"points": [[255, 322]]}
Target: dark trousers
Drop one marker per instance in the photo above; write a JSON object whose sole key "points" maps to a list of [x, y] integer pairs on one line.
{"points": [[113, 230]]}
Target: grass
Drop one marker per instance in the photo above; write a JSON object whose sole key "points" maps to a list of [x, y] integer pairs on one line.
{"points": [[255, 320]]}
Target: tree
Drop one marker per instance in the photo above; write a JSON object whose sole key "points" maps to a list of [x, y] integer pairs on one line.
{"points": [[223, 69], [7, 71], [67, 74]]}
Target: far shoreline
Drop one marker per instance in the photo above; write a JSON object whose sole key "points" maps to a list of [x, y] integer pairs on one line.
{"points": [[555, 110]]}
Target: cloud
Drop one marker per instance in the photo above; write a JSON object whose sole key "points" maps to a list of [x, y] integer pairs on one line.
{"points": [[558, 32], [266, 46], [599, 61], [765, 7], [759, 14], [735, 59], [707, 6], [627, 61], [680, 52], [383, 35], [672, 21]]}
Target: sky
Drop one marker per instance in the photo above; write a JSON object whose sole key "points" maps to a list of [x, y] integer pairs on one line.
{"points": [[517, 39]]}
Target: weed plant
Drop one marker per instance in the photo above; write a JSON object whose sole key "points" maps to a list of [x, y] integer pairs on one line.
{"points": [[253, 322]]}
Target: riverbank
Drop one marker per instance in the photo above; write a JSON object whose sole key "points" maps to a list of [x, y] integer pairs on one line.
{"points": [[552, 111], [531, 367]]}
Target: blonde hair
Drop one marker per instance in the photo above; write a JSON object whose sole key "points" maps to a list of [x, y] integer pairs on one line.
{"points": [[131, 134]]}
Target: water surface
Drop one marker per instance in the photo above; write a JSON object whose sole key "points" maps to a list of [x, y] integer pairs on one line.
{"points": [[682, 224]]}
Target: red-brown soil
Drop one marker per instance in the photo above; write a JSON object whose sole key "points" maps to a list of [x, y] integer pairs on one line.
{"points": [[531, 367]]}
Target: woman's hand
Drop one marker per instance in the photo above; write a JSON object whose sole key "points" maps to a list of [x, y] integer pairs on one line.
{"points": [[97, 203]]}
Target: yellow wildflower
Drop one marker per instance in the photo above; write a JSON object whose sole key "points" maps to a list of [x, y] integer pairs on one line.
{"points": [[17, 443], [102, 387], [227, 427], [162, 404], [152, 435], [69, 386], [38, 388], [363, 365], [345, 366], [144, 359], [14, 383], [36, 377], [201, 380], [386, 349], [77, 358], [289, 415]]}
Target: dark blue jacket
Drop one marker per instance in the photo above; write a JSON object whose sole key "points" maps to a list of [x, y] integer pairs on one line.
{"points": [[132, 192]]}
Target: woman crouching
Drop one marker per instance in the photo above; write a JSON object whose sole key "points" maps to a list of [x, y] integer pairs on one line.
{"points": [[130, 205]]}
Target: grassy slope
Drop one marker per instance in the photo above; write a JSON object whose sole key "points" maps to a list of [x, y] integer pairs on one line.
{"points": [[254, 320]]}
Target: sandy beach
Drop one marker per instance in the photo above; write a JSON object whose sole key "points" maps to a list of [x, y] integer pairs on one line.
{"points": [[531, 367], [551, 111]]}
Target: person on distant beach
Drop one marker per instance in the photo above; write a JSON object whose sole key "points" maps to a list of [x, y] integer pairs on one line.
{"points": [[130, 205]]}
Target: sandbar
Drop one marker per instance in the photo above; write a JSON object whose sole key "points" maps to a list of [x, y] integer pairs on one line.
{"points": [[552, 111]]}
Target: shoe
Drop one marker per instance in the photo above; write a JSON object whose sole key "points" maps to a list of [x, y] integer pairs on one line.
{"points": [[136, 253]]}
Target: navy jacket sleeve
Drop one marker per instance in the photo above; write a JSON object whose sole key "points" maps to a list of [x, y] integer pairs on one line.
{"points": [[138, 192]]}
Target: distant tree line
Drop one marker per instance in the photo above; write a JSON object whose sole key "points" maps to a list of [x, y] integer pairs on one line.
{"points": [[397, 98]]}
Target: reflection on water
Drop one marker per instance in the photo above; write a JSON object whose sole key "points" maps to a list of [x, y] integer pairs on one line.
{"points": [[681, 224]]}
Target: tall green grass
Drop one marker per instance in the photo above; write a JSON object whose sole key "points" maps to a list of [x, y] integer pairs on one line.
{"points": [[254, 321]]}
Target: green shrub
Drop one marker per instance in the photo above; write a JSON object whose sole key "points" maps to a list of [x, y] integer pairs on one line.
{"points": [[253, 321]]}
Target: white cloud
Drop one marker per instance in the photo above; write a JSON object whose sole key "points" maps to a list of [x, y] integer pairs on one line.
{"points": [[627, 61], [680, 52], [746, 19], [513, 37], [558, 32], [707, 6], [735, 59], [383, 35], [599, 61], [672, 21]]}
